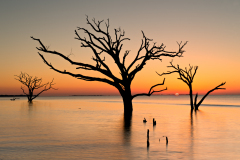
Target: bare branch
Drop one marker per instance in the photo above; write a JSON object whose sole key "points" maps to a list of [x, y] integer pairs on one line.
{"points": [[216, 88], [151, 90], [124, 57], [152, 53], [82, 65], [23, 90], [78, 76], [48, 86], [186, 75]]}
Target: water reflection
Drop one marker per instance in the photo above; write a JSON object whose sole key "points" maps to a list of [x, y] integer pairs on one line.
{"points": [[127, 122], [60, 130], [192, 132], [191, 136], [30, 106]]}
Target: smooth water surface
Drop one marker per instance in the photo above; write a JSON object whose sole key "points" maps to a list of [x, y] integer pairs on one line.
{"points": [[92, 127]]}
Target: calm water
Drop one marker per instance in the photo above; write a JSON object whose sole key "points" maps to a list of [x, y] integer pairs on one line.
{"points": [[92, 127]]}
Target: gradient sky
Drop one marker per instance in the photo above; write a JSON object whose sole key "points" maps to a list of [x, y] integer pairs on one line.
{"points": [[212, 28]]}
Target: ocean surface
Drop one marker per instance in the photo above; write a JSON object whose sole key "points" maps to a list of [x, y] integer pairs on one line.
{"points": [[92, 127]]}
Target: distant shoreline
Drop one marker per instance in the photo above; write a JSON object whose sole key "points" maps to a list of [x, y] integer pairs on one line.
{"points": [[90, 95], [21, 95]]}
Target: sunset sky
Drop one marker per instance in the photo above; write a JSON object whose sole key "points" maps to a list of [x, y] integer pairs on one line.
{"points": [[211, 27]]}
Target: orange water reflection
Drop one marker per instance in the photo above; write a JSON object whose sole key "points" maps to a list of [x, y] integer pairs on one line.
{"points": [[94, 128]]}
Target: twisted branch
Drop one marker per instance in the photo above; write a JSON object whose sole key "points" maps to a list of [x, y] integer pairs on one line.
{"points": [[151, 90]]}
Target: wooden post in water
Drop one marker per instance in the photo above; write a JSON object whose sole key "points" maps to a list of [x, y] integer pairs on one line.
{"points": [[154, 122], [148, 138], [166, 140]]}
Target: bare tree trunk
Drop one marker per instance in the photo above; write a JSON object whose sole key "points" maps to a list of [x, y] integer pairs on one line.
{"points": [[30, 94], [127, 97], [191, 97], [128, 108], [196, 107]]}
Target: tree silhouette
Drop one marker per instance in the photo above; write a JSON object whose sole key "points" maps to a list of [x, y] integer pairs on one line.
{"points": [[187, 77], [33, 83], [101, 42]]}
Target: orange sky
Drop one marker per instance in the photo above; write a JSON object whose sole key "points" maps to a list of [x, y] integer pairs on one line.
{"points": [[211, 27]]}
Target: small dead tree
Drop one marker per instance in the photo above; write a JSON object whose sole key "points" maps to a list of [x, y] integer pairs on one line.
{"points": [[33, 83], [101, 43], [187, 77]]}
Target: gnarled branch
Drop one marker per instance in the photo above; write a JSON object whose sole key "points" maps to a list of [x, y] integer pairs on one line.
{"points": [[200, 102], [186, 75], [152, 53], [78, 76], [151, 90]]}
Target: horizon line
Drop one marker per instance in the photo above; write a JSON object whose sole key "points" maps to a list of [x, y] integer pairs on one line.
{"points": [[22, 95]]}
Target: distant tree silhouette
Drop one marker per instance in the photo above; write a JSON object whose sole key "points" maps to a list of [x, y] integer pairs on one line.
{"points": [[187, 77], [33, 83], [101, 42]]}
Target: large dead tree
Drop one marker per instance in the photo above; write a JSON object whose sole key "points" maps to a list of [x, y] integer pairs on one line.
{"points": [[102, 43], [187, 77], [33, 83]]}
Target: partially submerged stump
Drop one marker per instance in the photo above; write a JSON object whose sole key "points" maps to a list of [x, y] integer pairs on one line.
{"points": [[154, 122], [148, 138]]}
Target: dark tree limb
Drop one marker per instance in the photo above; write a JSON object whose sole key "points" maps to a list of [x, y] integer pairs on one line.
{"points": [[186, 75], [81, 65], [46, 87], [200, 102], [78, 76], [151, 90], [152, 53], [23, 90]]}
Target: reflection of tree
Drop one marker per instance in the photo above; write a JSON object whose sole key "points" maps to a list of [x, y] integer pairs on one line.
{"points": [[101, 43], [191, 135], [187, 77], [30, 106], [33, 83], [127, 122]]}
